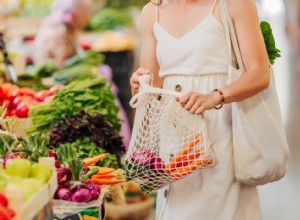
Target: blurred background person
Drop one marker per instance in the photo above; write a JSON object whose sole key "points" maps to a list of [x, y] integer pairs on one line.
{"points": [[56, 37]]}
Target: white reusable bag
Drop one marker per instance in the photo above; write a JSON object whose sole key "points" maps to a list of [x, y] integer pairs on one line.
{"points": [[259, 143], [168, 143]]}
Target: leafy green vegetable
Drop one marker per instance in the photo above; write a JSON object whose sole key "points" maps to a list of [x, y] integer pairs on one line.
{"points": [[7, 143], [93, 126], [87, 149], [109, 18], [91, 95], [68, 156], [273, 52], [45, 70], [35, 145], [89, 57], [78, 67]]}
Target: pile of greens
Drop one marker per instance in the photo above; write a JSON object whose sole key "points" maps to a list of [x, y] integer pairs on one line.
{"points": [[87, 149], [79, 68], [109, 19], [90, 95], [91, 134], [273, 52]]}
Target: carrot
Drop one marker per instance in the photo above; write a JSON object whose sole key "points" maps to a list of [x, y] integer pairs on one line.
{"points": [[183, 171], [188, 159], [105, 176], [179, 157], [99, 181], [93, 160], [103, 170]]}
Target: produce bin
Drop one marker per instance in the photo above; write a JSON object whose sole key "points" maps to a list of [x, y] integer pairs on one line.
{"points": [[39, 207], [24, 125], [64, 210]]}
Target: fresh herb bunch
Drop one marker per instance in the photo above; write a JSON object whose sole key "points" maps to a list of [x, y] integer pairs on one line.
{"points": [[109, 19], [94, 126], [90, 95], [35, 145], [87, 149], [273, 52], [68, 156], [8, 142]]}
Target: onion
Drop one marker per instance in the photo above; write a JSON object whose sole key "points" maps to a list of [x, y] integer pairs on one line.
{"points": [[157, 165], [88, 184], [143, 158], [63, 176], [95, 192], [82, 195], [63, 194]]}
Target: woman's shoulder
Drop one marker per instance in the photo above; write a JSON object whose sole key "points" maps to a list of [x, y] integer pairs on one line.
{"points": [[149, 9], [239, 8], [148, 15]]}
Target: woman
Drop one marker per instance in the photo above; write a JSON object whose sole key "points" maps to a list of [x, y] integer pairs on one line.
{"points": [[184, 48]]}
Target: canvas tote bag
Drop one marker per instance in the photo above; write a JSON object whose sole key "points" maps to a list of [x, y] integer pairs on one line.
{"points": [[260, 148]]}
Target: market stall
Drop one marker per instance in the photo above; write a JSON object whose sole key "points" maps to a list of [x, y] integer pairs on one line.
{"points": [[69, 119]]}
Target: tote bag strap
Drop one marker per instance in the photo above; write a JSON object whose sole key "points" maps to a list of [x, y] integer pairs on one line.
{"points": [[231, 38]]}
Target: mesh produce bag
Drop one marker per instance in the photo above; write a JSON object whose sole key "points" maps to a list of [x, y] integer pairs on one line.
{"points": [[168, 142]]}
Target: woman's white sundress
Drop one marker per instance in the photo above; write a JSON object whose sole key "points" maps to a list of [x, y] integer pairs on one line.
{"points": [[198, 62]]}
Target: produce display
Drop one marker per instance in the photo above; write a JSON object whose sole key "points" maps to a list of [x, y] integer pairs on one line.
{"points": [[20, 175], [90, 134], [18, 100], [91, 95], [6, 213], [109, 18]]}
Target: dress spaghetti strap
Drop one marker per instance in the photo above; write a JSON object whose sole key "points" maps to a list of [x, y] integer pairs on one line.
{"points": [[213, 7], [156, 10]]}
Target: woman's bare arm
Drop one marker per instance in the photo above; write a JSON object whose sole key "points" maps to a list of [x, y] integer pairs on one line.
{"points": [[253, 50], [255, 58], [148, 60]]}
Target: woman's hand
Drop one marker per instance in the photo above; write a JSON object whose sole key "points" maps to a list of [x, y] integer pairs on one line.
{"points": [[134, 80], [197, 103]]}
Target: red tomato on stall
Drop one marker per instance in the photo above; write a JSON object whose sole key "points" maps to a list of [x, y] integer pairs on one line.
{"points": [[22, 110], [40, 96], [26, 92]]}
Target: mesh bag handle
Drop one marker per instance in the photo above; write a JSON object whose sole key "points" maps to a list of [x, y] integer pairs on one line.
{"points": [[168, 143], [145, 88]]}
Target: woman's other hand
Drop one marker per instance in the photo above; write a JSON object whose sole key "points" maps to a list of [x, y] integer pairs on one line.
{"points": [[197, 103], [134, 80]]}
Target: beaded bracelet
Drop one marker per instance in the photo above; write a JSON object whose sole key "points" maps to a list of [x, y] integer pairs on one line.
{"points": [[223, 99]]}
